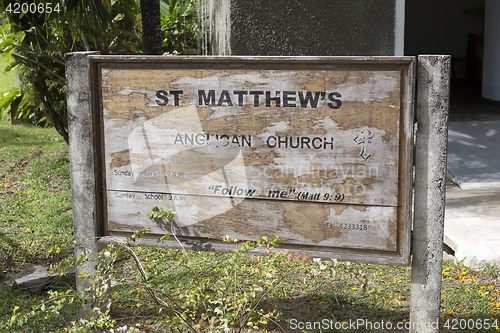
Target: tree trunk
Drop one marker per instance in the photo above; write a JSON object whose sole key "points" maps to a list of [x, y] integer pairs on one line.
{"points": [[59, 120], [13, 111], [151, 27]]}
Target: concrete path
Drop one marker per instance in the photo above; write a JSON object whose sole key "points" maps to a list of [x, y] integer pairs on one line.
{"points": [[472, 222], [474, 151], [472, 218]]}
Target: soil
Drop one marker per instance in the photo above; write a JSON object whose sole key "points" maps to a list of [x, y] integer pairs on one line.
{"points": [[9, 274]]}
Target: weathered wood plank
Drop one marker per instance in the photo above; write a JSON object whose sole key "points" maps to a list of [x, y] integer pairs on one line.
{"points": [[300, 223], [351, 149], [315, 150]]}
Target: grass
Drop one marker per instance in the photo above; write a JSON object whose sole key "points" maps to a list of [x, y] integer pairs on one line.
{"points": [[35, 214], [7, 79], [35, 191], [35, 204], [312, 291]]}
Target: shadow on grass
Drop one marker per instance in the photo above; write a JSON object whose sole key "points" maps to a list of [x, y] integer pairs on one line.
{"points": [[8, 245], [333, 313], [301, 314], [318, 314], [23, 135], [24, 301]]}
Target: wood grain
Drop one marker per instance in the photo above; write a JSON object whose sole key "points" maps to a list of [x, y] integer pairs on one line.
{"points": [[318, 154]]}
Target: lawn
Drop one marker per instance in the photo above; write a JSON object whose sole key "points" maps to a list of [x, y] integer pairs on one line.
{"points": [[35, 204], [282, 291], [7, 79]]}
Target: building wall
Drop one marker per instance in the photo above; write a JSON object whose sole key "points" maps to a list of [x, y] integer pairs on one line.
{"points": [[491, 65], [219, 26], [300, 27]]}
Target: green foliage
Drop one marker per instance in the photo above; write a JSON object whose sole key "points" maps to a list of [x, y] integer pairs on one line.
{"points": [[158, 213], [37, 44], [178, 26], [89, 21], [7, 79], [491, 268], [14, 100], [230, 302]]}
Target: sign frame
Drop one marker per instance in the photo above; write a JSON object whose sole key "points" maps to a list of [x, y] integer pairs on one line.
{"points": [[405, 169]]}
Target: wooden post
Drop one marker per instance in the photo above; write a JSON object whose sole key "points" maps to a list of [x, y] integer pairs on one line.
{"points": [[81, 150], [430, 180]]}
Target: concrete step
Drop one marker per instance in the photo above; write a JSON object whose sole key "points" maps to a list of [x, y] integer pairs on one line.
{"points": [[472, 222]]}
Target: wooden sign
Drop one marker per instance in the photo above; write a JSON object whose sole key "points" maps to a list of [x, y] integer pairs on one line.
{"points": [[315, 150]]}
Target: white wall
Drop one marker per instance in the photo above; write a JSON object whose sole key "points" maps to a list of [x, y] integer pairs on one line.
{"points": [[491, 61], [399, 28]]}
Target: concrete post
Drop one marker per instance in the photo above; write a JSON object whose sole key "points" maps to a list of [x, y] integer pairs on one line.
{"points": [[430, 173], [83, 184]]}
